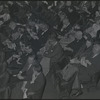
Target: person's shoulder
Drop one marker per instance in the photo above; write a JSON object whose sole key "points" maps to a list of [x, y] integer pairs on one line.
{"points": [[37, 63], [41, 74], [41, 77], [80, 32], [58, 44]]}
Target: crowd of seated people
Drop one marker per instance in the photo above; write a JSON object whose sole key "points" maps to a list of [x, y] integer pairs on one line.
{"points": [[60, 39]]}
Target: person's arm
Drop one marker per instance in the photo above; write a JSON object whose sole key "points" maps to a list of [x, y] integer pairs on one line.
{"points": [[23, 86], [24, 69], [10, 60], [38, 84]]}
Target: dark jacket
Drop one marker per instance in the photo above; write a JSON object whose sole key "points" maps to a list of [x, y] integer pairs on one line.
{"points": [[37, 87], [76, 45], [95, 63], [27, 73], [55, 53], [90, 70]]}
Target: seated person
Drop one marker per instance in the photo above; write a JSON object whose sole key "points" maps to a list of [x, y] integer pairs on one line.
{"points": [[85, 47], [35, 90], [65, 40], [24, 74], [69, 71], [64, 22], [94, 28], [93, 57], [55, 52], [29, 76], [44, 61], [79, 40], [89, 65]]}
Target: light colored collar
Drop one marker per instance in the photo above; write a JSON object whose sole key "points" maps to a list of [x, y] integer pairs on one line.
{"points": [[96, 55], [29, 66], [38, 74], [55, 43]]}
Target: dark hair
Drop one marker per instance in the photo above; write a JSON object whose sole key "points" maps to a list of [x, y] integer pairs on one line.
{"points": [[37, 67], [33, 54]]}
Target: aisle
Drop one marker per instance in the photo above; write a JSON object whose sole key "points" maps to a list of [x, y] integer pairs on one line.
{"points": [[50, 92], [93, 94]]}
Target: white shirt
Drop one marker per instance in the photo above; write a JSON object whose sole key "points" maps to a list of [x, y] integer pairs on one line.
{"points": [[55, 43], [29, 66], [95, 55]]}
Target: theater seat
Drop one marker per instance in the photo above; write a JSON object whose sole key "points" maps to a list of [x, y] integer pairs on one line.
{"points": [[65, 87], [63, 61]]}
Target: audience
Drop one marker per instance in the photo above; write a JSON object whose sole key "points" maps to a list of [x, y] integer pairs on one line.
{"points": [[69, 71], [56, 31], [33, 81]]}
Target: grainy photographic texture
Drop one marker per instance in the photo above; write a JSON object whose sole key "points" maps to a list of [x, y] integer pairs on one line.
{"points": [[49, 49]]}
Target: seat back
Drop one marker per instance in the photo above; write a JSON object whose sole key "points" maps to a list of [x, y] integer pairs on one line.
{"points": [[65, 87]]}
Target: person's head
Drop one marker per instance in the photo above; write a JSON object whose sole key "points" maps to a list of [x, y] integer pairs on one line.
{"points": [[37, 68], [28, 49], [78, 35], [62, 15], [52, 38], [93, 3], [31, 58], [21, 29], [88, 43], [77, 26], [89, 40], [96, 48], [53, 35], [68, 3]]}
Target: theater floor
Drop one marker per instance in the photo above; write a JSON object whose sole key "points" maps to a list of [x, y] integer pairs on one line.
{"points": [[51, 93]]}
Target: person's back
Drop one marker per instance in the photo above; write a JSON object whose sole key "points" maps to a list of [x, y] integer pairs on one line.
{"points": [[37, 87], [37, 84]]}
